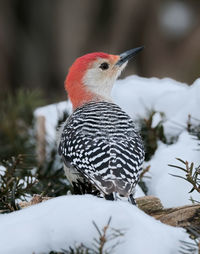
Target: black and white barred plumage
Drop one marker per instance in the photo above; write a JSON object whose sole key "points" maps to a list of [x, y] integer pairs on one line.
{"points": [[99, 143]]}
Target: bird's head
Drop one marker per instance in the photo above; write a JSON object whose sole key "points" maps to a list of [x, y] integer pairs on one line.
{"points": [[91, 77]]}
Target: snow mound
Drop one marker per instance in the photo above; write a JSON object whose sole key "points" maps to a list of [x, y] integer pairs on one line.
{"points": [[176, 100], [65, 221], [173, 191]]}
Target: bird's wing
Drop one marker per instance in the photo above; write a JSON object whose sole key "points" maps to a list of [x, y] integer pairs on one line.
{"points": [[109, 163]]}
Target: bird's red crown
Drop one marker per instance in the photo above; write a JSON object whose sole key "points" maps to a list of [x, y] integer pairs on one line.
{"points": [[74, 81]]}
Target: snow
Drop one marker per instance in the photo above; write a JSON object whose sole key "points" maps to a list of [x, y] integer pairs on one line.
{"points": [[52, 114], [172, 191], [2, 170], [67, 221], [176, 100], [138, 192]]}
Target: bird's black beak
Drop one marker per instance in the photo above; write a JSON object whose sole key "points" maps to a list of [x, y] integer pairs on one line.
{"points": [[124, 57]]}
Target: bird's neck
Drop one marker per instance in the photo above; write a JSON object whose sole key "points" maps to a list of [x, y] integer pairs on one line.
{"points": [[80, 95]]}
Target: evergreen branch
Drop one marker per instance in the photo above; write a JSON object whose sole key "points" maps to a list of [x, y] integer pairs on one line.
{"points": [[192, 174]]}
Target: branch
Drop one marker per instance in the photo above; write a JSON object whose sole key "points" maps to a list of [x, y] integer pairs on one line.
{"points": [[182, 216]]}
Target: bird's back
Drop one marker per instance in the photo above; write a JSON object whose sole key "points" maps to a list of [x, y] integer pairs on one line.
{"points": [[100, 141]]}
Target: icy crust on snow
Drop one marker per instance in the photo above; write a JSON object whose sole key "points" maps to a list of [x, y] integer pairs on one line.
{"points": [[65, 221]]}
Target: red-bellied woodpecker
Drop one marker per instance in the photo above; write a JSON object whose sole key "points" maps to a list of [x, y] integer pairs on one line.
{"points": [[98, 143]]}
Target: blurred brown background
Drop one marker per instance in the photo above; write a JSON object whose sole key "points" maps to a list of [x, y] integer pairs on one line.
{"points": [[39, 40]]}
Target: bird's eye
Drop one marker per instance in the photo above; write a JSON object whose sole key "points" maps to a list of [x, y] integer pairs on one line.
{"points": [[104, 66]]}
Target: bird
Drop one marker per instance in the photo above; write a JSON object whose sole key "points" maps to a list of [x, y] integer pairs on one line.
{"points": [[98, 143]]}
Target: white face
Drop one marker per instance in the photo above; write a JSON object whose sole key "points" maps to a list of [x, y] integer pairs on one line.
{"points": [[101, 75]]}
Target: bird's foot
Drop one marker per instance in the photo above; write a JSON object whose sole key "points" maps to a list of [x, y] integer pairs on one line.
{"points": [[132, 200]]}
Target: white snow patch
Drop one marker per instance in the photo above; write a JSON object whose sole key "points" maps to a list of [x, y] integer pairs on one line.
{"points": [[52, 113], [65, 221], [2, 170], [138, 192], [173, 191], [176, 100]]}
